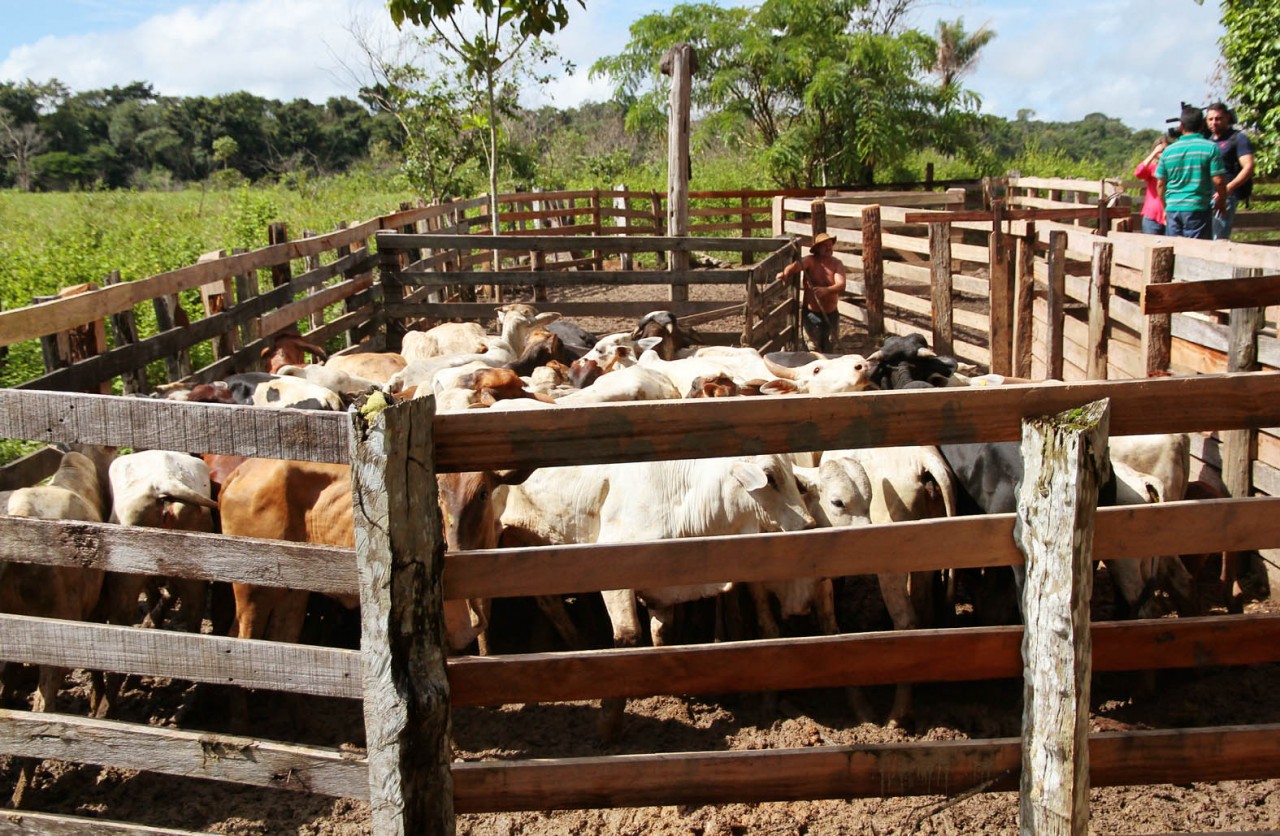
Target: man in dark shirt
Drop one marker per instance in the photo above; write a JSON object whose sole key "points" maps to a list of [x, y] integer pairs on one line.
{"points": [[1237, 157]]}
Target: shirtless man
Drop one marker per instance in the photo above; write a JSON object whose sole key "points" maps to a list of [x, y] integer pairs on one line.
{"points": [[823, 281]]}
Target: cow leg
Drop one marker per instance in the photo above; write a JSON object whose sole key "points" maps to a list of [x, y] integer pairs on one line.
{"points": [[768, 627], [662, 623], [895, 588], [621, 606], [552, 607], [193, 594], [1232, 593], [1177, 581], [1133, 586]]}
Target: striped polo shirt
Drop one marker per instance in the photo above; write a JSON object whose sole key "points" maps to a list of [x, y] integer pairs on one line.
{"points": [[1188, 167]]}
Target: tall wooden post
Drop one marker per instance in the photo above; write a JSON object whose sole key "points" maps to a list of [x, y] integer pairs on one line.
{"points": [[216, 298], [778, 216], [1056, 305], [747, 218], [282, 273], [817, 215], [597, 257], [873, 271], [1024, 304], [1099, 309], [1064, 460], [680, 63], [1000, 285], [169, 315], [1157, 331], [1238, 445], [125, 331], [622, 203], [400, 552], [940, 286]]}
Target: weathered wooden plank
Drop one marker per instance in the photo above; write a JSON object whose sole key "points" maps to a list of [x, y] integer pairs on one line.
{"points": [[971, 542], [865, 771], [318, 301], [275, 666], [1024, 304], [153, 424], [49, 317], [1065, 457], [30, 469], [557, 243], [861, 659], [1157, 330], [402, 621], [687, 429], [190, 754], [50, 824], [541, 278], [1213, 294], [162, 553], [1099, 307], [1014, 214], [480, 310]]}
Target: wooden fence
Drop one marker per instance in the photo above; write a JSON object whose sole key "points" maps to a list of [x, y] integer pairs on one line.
{"points": [[948, 260]]}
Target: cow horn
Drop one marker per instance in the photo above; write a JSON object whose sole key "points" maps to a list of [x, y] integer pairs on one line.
{"points": [[925, 352], [875, 357], [315, 350], [175, 491], [785, 363]]}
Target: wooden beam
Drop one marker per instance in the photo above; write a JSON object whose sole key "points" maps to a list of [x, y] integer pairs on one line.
{"points": [[653, 430], [30, 469], [1064, 457], [1211, 295], [400, 553], [274, 666], [1002, 294], [873, 271], [1057, 266], [860, 771], [1024, 305], [561, 243], [858, 659], [189, 754], [1011, 214], [700, 276], [50, 824]]}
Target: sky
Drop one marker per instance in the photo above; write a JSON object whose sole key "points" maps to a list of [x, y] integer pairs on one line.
{"points": [[1131, 59]]}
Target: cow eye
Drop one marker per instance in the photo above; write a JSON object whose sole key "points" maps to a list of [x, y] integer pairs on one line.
{"points": [[483, 494], [837, 503], [773, 481]]}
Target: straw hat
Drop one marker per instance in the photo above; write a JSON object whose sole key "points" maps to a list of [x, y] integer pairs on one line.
{"points": [[819, 238]]}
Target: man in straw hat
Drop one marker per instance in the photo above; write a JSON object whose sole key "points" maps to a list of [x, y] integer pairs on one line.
{"points": [[822, 277]]}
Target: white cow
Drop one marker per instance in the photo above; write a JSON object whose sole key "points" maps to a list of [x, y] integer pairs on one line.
{"points": [[331, 378], [633, 383], [906, 483]]}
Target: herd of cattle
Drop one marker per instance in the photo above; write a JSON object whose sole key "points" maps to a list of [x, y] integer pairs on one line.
{"points": [[541, 362]]}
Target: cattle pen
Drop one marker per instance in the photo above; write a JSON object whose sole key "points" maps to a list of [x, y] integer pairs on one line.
{"points": [[1165, 333]]}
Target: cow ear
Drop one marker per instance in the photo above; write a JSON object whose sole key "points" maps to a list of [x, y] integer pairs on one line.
{"points": [[647, 343], [546, 318], [513, 477], [750, 475]]}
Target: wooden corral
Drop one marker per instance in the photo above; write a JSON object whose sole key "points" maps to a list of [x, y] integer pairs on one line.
{"points": [[919, 253]]}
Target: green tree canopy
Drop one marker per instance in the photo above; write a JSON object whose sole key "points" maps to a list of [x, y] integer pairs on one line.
{"points": [[1251, 50]]}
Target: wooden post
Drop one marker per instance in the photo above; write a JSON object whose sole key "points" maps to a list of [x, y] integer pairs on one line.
{"points": [[623, 203], [278, 233], [817, 215], [940, 286], [313, 263], [680, 63], [247, 287], [169, 315], [1024, 304], [400, 553], [216, 298], [1099, 309], [125, 332], [538, 260], [928, 177], [597, 257], [1056, 332], [1157, 331], [1104, 219], [660, 258], [392, 292], [747, 217], [1001, 294], [778, 216], [1238, 445], [349, 304], [873, 271], [1064, 458]]}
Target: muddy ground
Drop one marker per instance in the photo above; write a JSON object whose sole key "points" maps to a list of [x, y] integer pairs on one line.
{"points": [[1174, 699]]}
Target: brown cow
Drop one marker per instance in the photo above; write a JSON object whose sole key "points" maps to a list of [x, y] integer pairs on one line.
{"points": [[305, 502], [288, 348], [376, 366]]}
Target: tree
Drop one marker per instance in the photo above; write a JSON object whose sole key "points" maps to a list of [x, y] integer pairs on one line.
{"points": [[958, 50], [20, 142], [493, 56], [1251, 51], [826, 91], [224, 148]]}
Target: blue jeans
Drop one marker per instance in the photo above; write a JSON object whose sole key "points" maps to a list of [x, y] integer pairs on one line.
{"points": [[1152, 227], [1189, 224], [821, 330], [1222, 223]]}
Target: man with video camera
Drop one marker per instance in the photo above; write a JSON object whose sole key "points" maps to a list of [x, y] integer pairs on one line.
{"points": [[1191, 180]]}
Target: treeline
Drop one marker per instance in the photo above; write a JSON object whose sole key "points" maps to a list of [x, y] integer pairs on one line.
{"points": [[54, 139]]}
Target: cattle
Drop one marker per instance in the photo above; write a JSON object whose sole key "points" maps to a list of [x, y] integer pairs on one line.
{"points": [[636, 501], [516, 322], [335, 380], [617, 351], [256, 389], [376, 366], [304, 502], [464, 387], [155, 489], [634, 383], [907, 362], [290, 349], [576, 339], [906, 483], [672, 338], [816, 374], [75, 492]]}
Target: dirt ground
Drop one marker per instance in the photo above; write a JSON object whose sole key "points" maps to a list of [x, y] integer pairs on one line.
{"points": [[1178, 699]]}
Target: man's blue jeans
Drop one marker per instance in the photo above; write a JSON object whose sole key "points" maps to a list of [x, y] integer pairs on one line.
{"points": [[1197, 224], [1152, 227], [1222, 223]]}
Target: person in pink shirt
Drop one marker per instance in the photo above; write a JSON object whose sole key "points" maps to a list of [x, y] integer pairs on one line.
{"points": [[1152, 205]]}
